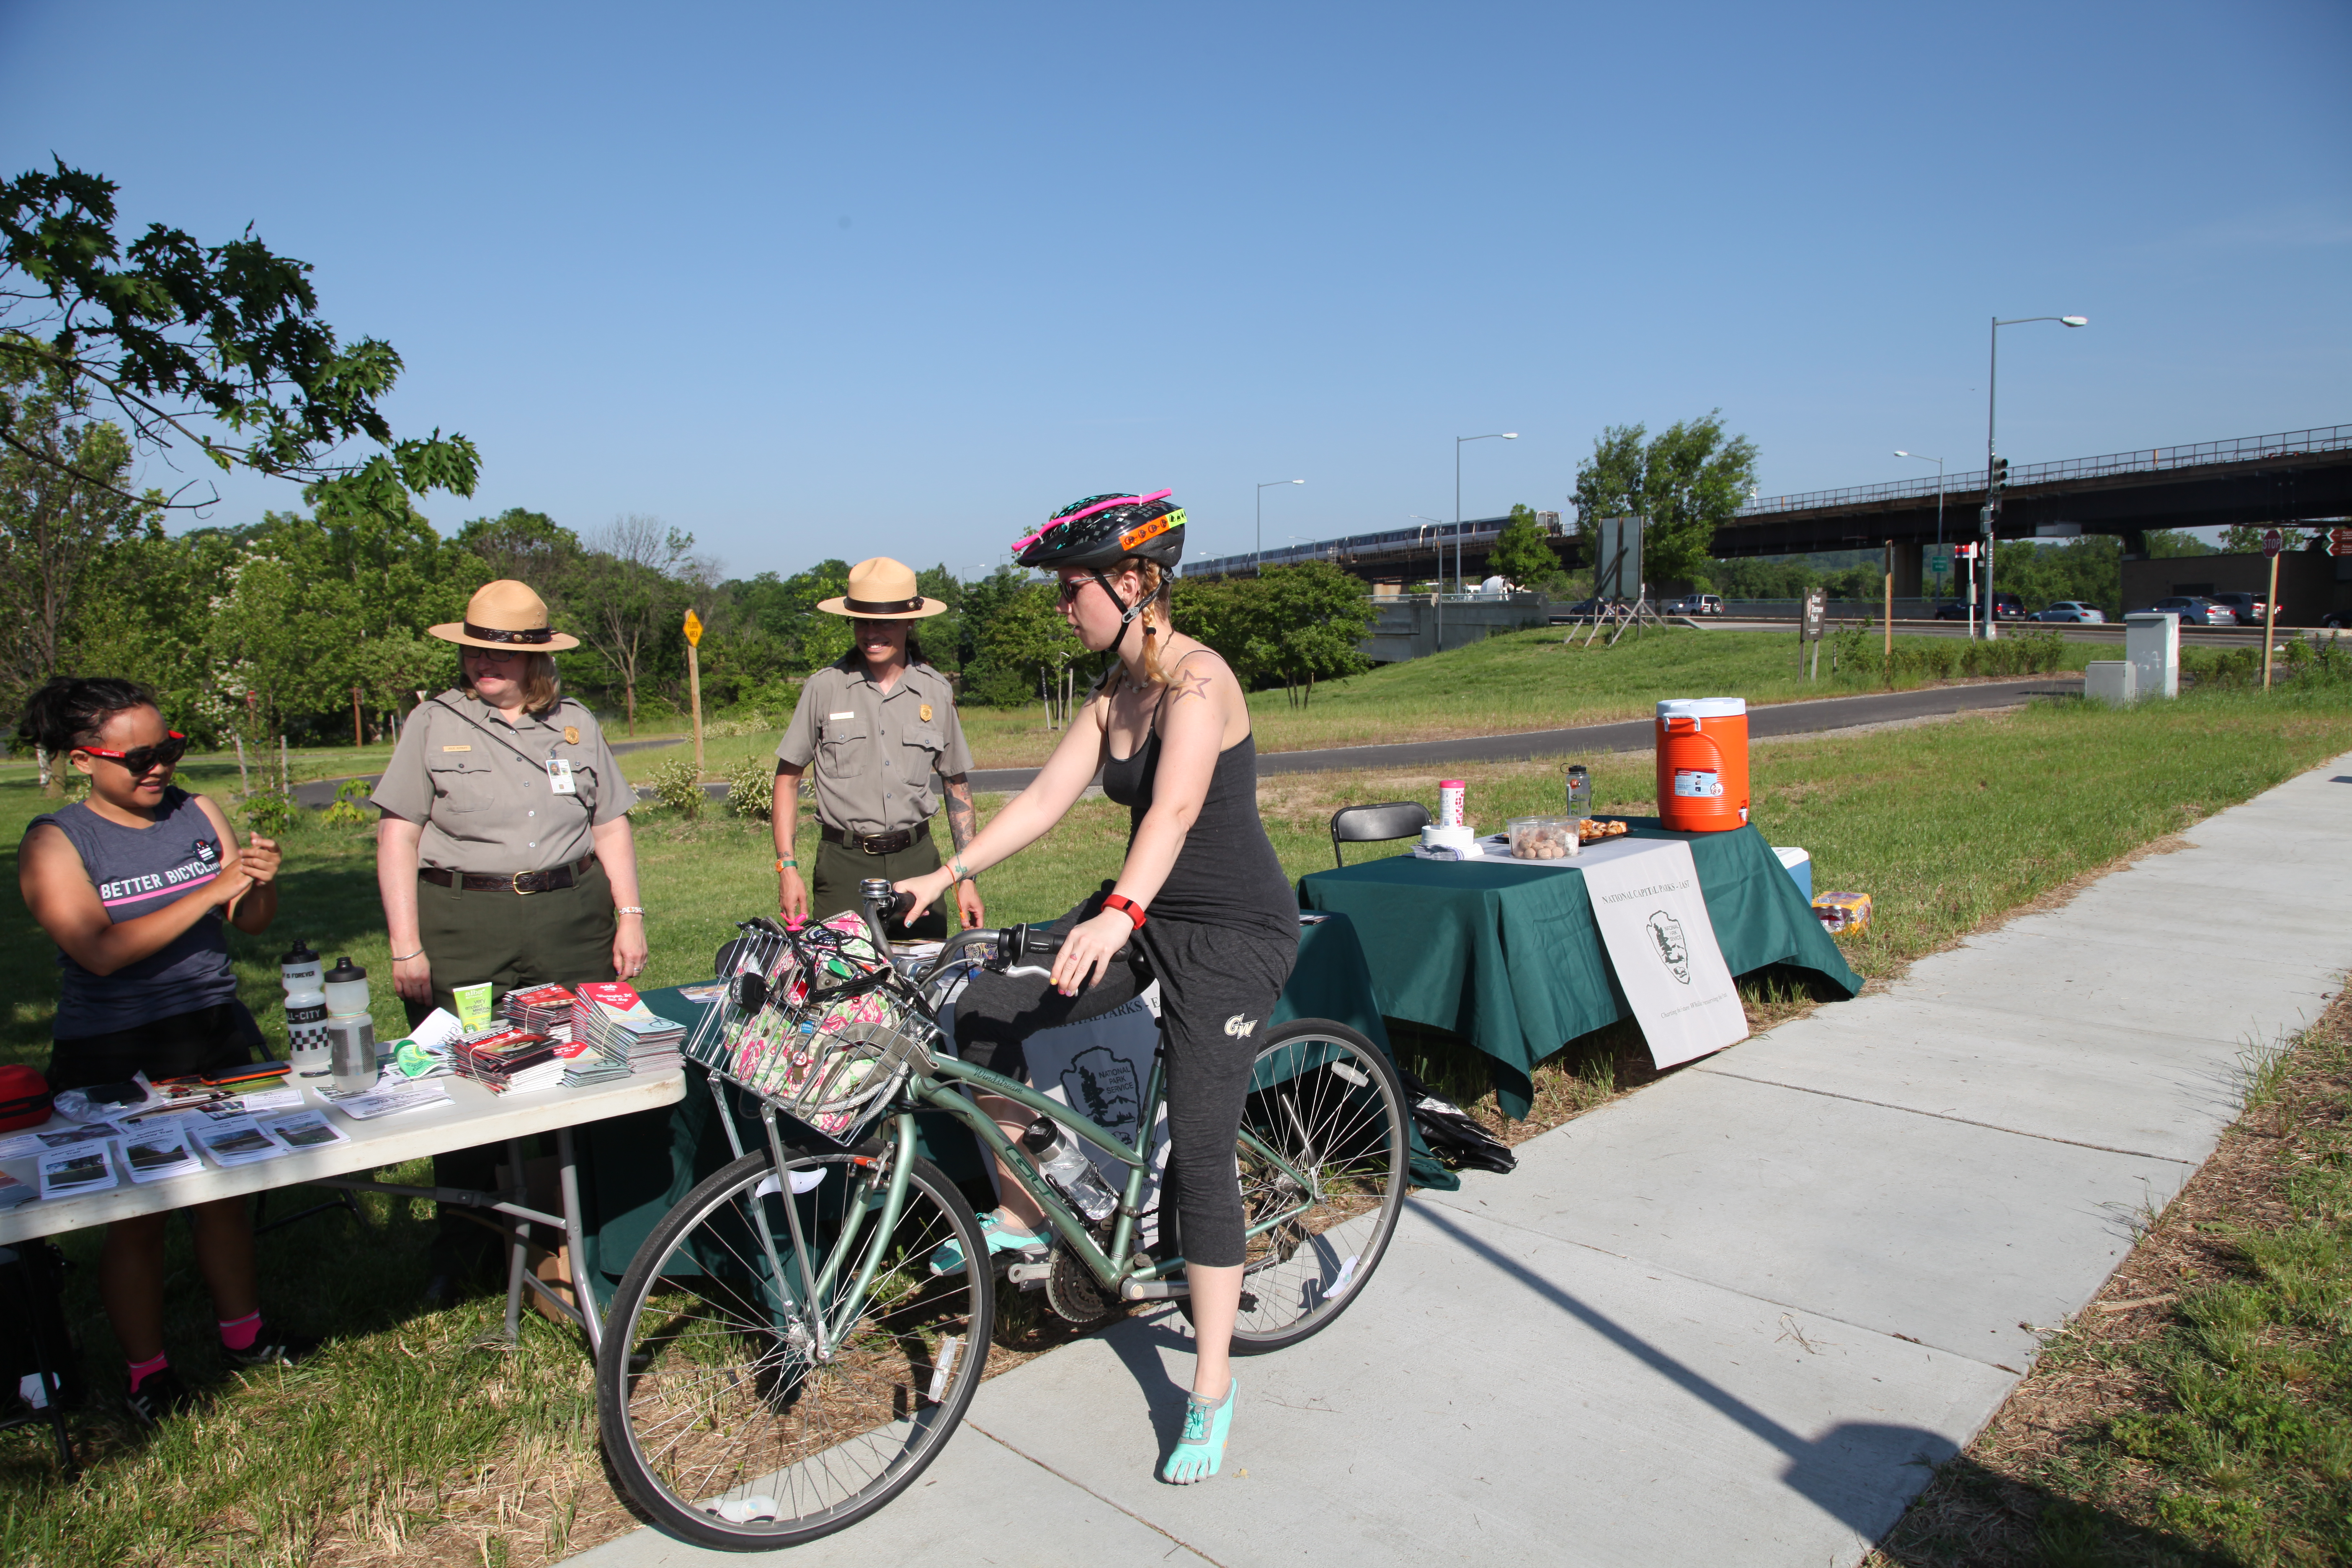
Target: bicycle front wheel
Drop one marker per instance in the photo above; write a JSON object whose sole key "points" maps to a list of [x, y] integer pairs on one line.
{"points": [[1325, 1160], [759, 1389]]}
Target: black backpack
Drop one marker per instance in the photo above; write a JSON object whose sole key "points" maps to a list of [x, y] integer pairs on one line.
{"points": [[1453, 1134], [34, 1329]]}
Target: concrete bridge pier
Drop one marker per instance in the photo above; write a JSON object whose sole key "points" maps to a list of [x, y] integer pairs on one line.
{"points": [[1909, 564]]}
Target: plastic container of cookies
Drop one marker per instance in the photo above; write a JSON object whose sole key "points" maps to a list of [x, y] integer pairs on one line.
{"points": [[1542, 837]]}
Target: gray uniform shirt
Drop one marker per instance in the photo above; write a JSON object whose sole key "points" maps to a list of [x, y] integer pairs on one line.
{"points": [[880, 755], [481, 789]]}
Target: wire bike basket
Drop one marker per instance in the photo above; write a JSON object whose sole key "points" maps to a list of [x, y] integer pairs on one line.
{"points": [[816, 1023]]}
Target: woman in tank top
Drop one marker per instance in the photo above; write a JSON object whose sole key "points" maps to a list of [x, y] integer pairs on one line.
{"points": [[1200, 892], [135, 885]]}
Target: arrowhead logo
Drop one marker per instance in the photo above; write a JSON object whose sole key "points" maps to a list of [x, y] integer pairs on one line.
{"points": [[1241, 1028]]}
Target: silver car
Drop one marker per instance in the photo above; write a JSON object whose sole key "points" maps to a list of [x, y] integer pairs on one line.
{"points": [[2073, 610], [2196, 610]]}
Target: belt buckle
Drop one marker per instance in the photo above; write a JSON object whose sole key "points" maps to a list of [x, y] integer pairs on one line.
{"points": [[514, 884]]}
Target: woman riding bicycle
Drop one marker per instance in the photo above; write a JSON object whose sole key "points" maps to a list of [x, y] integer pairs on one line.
{"points": [[1169, 728]]}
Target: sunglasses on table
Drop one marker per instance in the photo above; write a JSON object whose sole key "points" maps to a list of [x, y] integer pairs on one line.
{"points": [[143, 760]]}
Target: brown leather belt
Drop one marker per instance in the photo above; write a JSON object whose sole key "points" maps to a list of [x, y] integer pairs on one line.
{"points": [[872, 842], [545, 881]]}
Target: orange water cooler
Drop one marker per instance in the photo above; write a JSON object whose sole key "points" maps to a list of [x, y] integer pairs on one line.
{"points": [[1703, 764]]}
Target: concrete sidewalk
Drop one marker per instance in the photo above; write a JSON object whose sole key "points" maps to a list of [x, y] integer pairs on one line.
{"points": [[1734, 1318]]}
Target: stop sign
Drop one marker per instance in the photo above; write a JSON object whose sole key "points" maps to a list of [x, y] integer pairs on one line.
{"points": [[2270, 542]]}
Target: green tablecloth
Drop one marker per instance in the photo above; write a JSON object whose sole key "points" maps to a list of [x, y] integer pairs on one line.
{"points": [[1508, 956], [634, 1169]]}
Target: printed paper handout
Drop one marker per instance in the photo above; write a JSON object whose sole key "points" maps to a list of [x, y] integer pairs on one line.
{"points": [[310, 1130], [238, 1143], [159, 1152], [389, 1100], [78, 1168], [13, 1191]]}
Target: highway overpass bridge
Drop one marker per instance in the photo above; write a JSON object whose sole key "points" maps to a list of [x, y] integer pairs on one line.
{"points": [[2297, 476]]}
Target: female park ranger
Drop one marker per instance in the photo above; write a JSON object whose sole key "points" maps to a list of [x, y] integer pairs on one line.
{"points": [[881, 727], [504, 853]]}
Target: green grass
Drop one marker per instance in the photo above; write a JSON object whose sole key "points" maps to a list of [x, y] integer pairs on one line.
{"points": [[401, 1441]]}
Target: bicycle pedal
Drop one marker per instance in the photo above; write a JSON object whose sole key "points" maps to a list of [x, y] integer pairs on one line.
{"points": [[1029, 1276]]}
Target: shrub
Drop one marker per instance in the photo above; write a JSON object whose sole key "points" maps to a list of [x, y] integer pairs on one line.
{"points": [[270, 811], [751, 787], [677, 785], [347, 812]]}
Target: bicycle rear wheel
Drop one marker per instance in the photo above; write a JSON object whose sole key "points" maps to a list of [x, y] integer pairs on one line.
{"points": [[1324, 1158], [747, 1410]]}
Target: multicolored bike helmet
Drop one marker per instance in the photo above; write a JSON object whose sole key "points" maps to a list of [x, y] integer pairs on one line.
{"points": [[1096, 533]]}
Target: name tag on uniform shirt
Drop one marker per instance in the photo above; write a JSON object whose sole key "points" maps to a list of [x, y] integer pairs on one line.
{"points": [[559, 775], [465, 748], [831, 717]]}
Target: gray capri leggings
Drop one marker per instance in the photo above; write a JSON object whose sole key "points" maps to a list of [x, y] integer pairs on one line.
{"points": [[1217, 984]]}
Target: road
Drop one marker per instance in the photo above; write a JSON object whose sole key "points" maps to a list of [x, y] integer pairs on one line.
{"points": [[2112, 632], [1633, 734]]}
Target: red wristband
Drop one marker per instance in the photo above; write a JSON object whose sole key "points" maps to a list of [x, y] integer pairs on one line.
{"points": [[1125, 906]]}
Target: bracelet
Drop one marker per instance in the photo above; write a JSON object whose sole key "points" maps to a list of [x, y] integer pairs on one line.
{"points": [[787, 860], [1125, 906], [404, 957], [630, 909]]}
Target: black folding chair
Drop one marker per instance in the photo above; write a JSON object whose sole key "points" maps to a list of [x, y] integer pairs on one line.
{"points": [[1373, 823]]}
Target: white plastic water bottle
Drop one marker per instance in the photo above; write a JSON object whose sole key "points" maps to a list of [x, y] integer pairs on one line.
{"points": [[306, 1031], [1065, 1164]]}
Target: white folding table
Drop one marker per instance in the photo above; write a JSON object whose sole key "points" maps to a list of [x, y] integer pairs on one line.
{"points": [[472, 1115]]}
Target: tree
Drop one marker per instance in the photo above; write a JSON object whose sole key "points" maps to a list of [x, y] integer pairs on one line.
{"points": [[2246, 538], [2167, 543], [627, 592], [177, 335], [1295, 624], [64, 506], [1522, 551], [1687, 480], [1026, 638], [524, 546]]}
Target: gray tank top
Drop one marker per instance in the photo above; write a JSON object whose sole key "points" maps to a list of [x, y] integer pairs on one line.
{"points": [[138, 870]]}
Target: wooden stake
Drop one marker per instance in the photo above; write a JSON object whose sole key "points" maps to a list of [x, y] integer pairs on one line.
{"points": [[1889, 581], [243, 785], [357, 739]]}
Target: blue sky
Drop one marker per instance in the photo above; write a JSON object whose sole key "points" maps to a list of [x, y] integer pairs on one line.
{"points": [[811, 282]]}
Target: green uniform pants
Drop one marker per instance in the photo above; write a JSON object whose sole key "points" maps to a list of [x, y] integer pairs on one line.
{"points": [[513, 941], [841, 867]]}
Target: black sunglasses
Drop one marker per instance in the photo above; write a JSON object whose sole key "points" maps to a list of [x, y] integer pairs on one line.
{"points": [[141, 760], [1072, 587]]}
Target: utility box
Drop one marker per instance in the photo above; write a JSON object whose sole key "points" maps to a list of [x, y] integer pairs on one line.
{"points": [[2152, 644], [2110, 680]]}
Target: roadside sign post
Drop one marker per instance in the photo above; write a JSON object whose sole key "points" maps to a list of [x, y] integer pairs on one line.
{"points": [[2273, 541], [1816, 611], [694, 683]]}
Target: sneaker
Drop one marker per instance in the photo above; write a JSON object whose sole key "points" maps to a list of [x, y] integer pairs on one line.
{"points": [[158, 1398], [949, 1257], [273, 1347]]}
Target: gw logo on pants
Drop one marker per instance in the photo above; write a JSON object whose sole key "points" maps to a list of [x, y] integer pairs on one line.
{"points": [[1241, 1028]]}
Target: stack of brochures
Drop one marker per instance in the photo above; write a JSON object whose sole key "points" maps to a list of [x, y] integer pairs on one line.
{"points": [[510, 1059], [160, 1151], [615, 1019], [541, 1009]]}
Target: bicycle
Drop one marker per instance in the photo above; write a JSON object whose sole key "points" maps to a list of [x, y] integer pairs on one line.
{"points": [[788, 1350]]}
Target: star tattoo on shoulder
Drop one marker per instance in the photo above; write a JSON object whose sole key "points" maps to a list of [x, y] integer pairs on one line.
{"points": [[1193, 685]]}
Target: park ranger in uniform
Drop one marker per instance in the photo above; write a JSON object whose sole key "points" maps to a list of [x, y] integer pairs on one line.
{"points": [[880, 728], [504, 853]]}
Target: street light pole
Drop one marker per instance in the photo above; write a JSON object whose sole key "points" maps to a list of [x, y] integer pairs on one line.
{"points": [[1992, 489], [1458, 440], [1257, 560]]}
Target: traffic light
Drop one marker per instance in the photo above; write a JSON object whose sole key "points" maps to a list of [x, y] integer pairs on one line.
{"points": [[1999, 472]]}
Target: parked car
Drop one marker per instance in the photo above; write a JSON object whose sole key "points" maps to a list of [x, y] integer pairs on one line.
{"points": [[2072, 610], [2251, 609], [2195, 610], [1696, 604]]}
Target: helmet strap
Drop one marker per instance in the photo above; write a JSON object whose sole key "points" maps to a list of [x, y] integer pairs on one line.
{"points": [[1127, 612]]}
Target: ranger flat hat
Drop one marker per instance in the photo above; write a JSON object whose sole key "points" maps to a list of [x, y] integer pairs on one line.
{"points": [[882, 590], [506, 615]]}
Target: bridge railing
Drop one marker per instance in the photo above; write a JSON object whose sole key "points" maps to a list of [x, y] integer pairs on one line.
{"points": [[1473, 531], [2146, 459]]}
